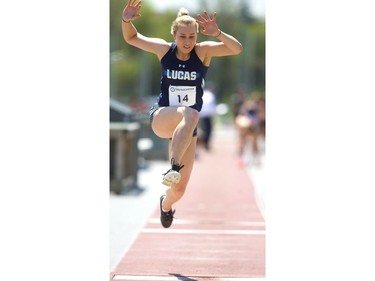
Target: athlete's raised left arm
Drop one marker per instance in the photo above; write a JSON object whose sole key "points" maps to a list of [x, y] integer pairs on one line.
{"points": [[228, 45]]}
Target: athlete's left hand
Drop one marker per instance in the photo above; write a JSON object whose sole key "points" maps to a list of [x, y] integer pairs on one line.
{"points": [[209, 25]]}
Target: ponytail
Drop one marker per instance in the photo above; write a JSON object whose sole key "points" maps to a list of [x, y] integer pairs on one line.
{"points": [[183, 18], [182, 12]]}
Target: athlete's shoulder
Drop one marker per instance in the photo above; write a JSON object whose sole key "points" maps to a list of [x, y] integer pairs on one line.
{"points": [[202, 50], [169, 47], [206, 44], [203, 47]]}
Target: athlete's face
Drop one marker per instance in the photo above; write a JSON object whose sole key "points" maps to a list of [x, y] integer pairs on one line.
{"points": [[186, 38]]}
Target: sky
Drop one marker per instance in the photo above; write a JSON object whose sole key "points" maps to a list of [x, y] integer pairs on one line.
{"points": [[257, 6]]}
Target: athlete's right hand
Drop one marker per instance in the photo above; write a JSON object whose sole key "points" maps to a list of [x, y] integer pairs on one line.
{"points": [[131, 9]]}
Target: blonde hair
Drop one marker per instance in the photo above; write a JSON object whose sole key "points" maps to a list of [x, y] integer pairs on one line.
{"points": [[184, 19]]}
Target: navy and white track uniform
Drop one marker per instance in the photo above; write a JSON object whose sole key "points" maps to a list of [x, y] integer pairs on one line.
{"points": [[182, 82]]}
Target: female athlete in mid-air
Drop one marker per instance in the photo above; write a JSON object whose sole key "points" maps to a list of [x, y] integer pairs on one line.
{"points": [[184, 64]]}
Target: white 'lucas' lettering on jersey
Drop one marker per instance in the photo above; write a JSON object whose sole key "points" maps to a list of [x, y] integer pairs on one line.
{"points": [[181, 75]]}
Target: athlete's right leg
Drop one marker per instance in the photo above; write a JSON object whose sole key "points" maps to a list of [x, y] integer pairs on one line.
{"points": [[177, 124]]}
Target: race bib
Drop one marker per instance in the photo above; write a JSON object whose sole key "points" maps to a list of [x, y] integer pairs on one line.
{"points": [[182, 95]]}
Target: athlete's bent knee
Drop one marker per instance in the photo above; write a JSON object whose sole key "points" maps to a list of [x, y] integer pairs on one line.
{"points": [[191, 115]]}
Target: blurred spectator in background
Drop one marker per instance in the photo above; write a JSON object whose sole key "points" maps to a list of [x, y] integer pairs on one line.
{"points": [[238, 99], [207, 114], [262, 118], [248, 122]]}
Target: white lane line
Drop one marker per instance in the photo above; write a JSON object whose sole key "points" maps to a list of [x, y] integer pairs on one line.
{"points": [[242, 279], [238, 223], [145, 278], [204, 231], [179, 278]]}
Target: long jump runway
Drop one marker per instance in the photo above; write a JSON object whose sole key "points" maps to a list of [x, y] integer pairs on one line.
{"points": [[218, 232]]}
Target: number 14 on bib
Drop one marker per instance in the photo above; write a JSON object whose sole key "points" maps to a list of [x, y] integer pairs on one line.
{"points": [[182, 95]]}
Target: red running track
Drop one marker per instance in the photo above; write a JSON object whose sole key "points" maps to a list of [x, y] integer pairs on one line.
{"points": [[218, 232]]}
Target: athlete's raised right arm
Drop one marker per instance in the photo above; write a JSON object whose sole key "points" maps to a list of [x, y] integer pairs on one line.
{"points": [[131, 36]]}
